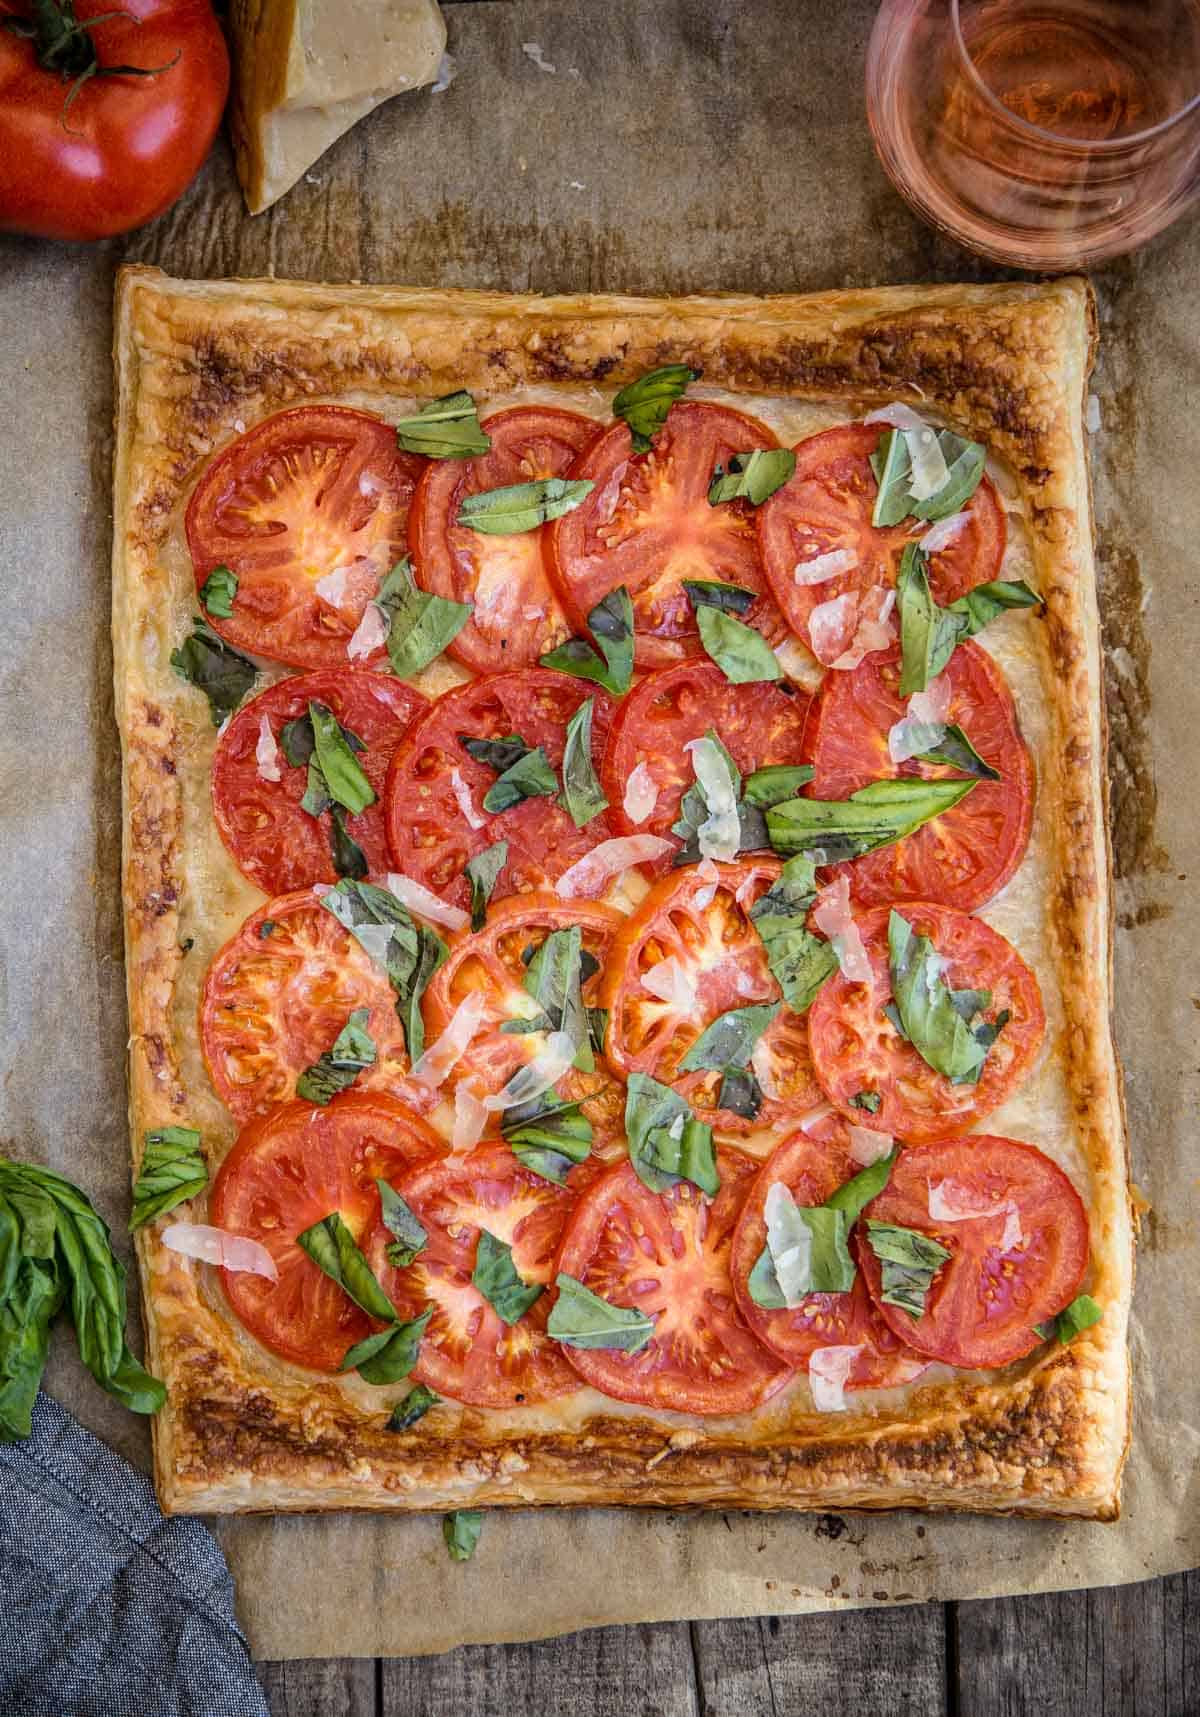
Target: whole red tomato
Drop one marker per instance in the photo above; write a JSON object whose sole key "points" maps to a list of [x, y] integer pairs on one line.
{"points": [[102, 128]]}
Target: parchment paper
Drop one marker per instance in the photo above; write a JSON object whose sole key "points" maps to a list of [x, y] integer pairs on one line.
{"points": [[681, 145]]}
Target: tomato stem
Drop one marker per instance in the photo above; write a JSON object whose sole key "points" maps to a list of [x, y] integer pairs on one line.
{"points": [[61, 44]]}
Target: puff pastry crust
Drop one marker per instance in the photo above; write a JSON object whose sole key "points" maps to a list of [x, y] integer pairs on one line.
{"points": [[198, 360]]}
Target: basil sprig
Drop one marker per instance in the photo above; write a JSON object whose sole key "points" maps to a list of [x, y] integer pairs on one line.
{"points": [[482, 873], [521, 772], [775, 783], [752, 476], [892, 464], [875, 816], [172, 1170], [446, 428], [521, 507], [644, 403], [1081, 1314], [611, 625], [580, 1318], [500, 1283], [935, 1019], [667, 1143], [412, 1408], [55, 1250], [725, 1046], [800, 961], [955, 751], [461, 1532], [390, 1354], [548, 1135], [910, 1260], [831, 1267], [408, 1232], [582, 795], [419, 625], [929, 634], [410, 957], [218, 591], [214, 667]]}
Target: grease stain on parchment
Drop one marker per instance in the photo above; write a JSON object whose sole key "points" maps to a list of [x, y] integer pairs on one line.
{"points": [[1133, 789]]}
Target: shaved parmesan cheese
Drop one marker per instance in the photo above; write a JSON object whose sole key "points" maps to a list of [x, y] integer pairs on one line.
{"points": [[588, 875], [1092, 416], [789, 1241], [370, 634], [923, 725], [951, 1201], [831, 627], [832, 916], [703, 897], [440, 1057], [535, 52], [929, 469], [946, 531], [812, 1118], [867, 1146], [829, 1371], [897, 416], [470, 1116], [719, 836], [798, 664], [606, 501], [215, 1246], [671, 983], [266, 752], [641, 794], [447, 72], [552, 1060], [374, 939], [462, 794], [332, 588], [762, 1063], [873, 630], [425, 904], [823, 567]]}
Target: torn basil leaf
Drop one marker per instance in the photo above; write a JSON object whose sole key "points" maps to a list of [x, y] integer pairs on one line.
{"points": [[986, 602], [742, 654], [497, 1278], [909, 1259], [333, 753], [667, 1143], [333, 1249], [446, 428], [775, 783], [419, 625], [549, 1135], [875, 816], [410, 957], [752, 476], [867, 1100], [348, 857], [461, 1532], [390, 1354], [412, 1408], [934, 1018], [218, 591], [554, 978], [482, 873], [800, 961], [830, 1267], [892, 465], [521, 507], [694, 811], [893, 473], [498, 754], [582, 794], [580, 1318], [409, 1234], [172, 1170], [726, 1046], [955, 751], [644, 403], [929, 634], [336, 1070], [611, 625], [1081, 1314], [856, 1193], [214, 667], [521, 773], [710, 593]]}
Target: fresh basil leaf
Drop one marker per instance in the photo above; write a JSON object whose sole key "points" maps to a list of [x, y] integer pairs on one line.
{"points": [[775, 783], [868, 1100], [554, 980], [413, 1407], [644, 403], [893, 473], [336, 1070], [214, 667], [831, 1268], [856, 1193], [132, 1385], [419, 625], [1081, 1314], [730, 1039], [548, 1135], [297, 741], [965, 461], [763, 1283], [928, 1016], [498, 754], [910, 1261], [582, 794], [800, 961], [446, 428], [389, 1356], [482, 873], [218, 591], [340, 769], [461, 1532], [955, 751], [752, 476], [521, 507], [980, 606], [611, 625], [580, 1318], [172, 1170], [597, 1019], [710, 593], [26, 1315], [530, 777], [496, 1277], [412, 954], [666, 1142], [409, 1234], [742, 654], [333, 1249], [875, 816], [316, 800], [267, 929], [740, 1093], [348, 857], [929, 635]]}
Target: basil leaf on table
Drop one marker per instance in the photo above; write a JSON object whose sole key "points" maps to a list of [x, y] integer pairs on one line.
{"points": [[1081, 1314], [667, 1143], [800, 961], [171, 1171], [410, 957], [25, 1318], [390, 1355], [711, 593], [580, 1318], [644, 403], [775, 783], [582, 794], [929, 634], [910, 1260], [419, 625], [461, 1532], [752, 476], [521, 507], [352, 1050], [446, 428], [333, 1249], [218, 591], [742, 654], [548, 1135], [875, 816], [413, 1407], [482, 873], [496, 1277], [934, 1018], [409, 1234], [214, 667], [955, 751], [611, 625], [341, 771]]}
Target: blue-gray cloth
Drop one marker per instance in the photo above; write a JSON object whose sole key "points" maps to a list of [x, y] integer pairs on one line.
{"points": [[107, 1608]]}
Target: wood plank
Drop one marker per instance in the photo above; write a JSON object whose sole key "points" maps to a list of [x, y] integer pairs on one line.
{"points": [[320, 1687], [604, 1672], [886, 1662]]}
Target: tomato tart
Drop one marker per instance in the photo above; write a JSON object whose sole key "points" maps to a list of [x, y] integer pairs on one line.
{"points": [[617, 899]]}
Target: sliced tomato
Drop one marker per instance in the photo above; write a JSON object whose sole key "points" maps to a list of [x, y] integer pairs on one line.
{"points": [[984, 1301], [277, 995], [647, 525], [758, 724], [965, 856], [668, 1255], [719, 963], [294, 499], [517, 616], [493, 964], [468, 1352], [273, 842], [290, 1168], [827, 506], [812, 1165], [435, 788], [855, 1046]]}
